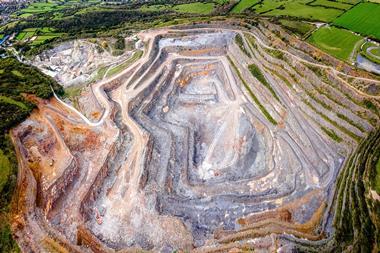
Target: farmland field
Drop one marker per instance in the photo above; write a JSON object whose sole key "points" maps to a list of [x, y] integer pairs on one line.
{"points": [[42, 7], [156, 7], [42, 38], [243, 5], [327, 3], [298, 8], [24, 35], [298, 27], [44, 33], [335, 41], [200, 8], [353, 2], [20, 36], [363, 18]]}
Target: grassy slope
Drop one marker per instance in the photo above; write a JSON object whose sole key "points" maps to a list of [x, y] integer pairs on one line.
{"points": [[335, 41], [363, 18]]}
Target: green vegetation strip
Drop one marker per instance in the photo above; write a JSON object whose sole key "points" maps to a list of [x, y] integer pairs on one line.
{"points": [[275, 53], [9, 100], [283, 78], [334, 123], [251, 41], [255, 99], [5, 170], [239, 41], [331, 133], [256, 72], [376, 179], [351, 122], [117, 69]]}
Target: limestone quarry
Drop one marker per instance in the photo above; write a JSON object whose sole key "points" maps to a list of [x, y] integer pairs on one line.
{"points": [[219, 138]]}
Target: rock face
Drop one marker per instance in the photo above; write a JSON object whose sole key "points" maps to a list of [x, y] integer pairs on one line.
{"points": [[75, 62], [193, 151]]}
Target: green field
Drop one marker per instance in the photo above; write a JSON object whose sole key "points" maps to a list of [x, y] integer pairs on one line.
{"points": [[24, 35], [298, 27], [41, 39], [327, 3], [41, 7], [297, 8], [199, 8], [352, 2], [20, 36], [243, 5], [335, 41], [195, 8], [363, 18], [44, 34], [53, 6], [156, 7]]}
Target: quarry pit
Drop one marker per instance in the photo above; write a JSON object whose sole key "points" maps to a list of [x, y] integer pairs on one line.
{"points": [[191, 151]]}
